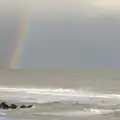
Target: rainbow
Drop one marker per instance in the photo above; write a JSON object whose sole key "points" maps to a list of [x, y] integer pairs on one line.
{"points": [[19, 43]]}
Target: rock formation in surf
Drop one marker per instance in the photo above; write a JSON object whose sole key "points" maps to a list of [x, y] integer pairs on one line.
{"points": [[3, 105], [13, 106]]}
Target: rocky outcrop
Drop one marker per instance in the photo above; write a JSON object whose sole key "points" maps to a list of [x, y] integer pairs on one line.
{"points": [[3, 105], [13, 106], [24, 106]]}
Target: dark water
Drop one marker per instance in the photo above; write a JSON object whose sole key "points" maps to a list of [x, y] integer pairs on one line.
{"points": [[61, 94]]}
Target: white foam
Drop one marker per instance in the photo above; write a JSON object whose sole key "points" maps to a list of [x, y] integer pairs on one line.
{"points": [[52, 94], [1, 113], [6, 118], [78, 113]]}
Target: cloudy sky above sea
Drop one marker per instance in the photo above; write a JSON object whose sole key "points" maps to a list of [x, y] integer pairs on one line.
{"points": [[62, 33]]}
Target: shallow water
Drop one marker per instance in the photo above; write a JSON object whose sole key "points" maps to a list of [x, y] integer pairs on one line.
{"points": [[61, 94]]}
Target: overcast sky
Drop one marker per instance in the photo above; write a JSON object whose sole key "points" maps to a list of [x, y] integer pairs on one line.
{"points": [[62, 33]]}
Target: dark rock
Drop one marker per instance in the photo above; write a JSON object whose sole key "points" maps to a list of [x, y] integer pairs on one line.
{"points": [[3, 105], [23, 106], [29, 106], [13, 106]]}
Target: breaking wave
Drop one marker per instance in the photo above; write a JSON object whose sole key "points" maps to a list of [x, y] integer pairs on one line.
{"points": [[68, 102], [48, 95]]}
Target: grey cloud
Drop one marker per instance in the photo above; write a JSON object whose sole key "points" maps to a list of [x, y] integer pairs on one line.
{"points": [[69, 44], [66, 43], [8, 33]]}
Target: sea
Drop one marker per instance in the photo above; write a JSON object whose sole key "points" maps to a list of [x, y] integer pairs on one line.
{"points": [[61, 94]]}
